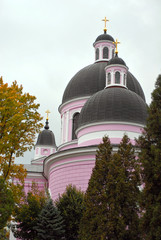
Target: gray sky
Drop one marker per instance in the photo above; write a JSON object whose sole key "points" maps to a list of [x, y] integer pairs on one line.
{"points": [[43, 43]]}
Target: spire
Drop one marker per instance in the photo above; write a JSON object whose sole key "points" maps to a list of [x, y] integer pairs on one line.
{"points": [[47, 118], [116, 43], [105, 28]]}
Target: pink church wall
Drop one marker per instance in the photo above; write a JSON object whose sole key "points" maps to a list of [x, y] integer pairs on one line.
{"points": [[41, 182], [109, 127], [67, 111], [68, 146], [97, 45], [76, 171], [72, 105], [92, 135]]}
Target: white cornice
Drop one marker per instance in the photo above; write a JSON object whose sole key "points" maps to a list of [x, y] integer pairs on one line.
{"points": [[116, 65], [73, 152], [72, 100], [108, 123], [103, 41], [73, 142]]}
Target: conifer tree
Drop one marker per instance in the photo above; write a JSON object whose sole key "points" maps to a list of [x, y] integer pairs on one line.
{"points": [[150, 158], [111, 199], [50, 223], [26, 212], [71, 206]]}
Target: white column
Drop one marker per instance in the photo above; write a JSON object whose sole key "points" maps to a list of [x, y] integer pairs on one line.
{"points": [[67, 126]]}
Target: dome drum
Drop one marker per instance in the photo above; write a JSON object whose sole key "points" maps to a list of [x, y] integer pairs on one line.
{"points": [[68, 110], [116, 75], [104, 51], [92, 134]]}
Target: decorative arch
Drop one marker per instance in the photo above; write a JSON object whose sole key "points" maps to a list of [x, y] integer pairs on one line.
{"points": [[117, 77], [97, 53], [109, 78], [113, 51], [75, 125], [105, 52], [124, 79]]}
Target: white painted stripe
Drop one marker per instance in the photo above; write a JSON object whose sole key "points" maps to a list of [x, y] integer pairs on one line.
{"points": [[111, 134]]}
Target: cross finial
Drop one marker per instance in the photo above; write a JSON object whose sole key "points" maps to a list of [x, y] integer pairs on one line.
{"points": [[116, 43], [47, 112], [105, 20]]}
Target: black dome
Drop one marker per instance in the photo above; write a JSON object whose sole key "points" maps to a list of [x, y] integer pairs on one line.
{"points": [[91, 79], [114, 104], [116, 60], [86, 82], [104, 37], [134, 85], [46, 137]]}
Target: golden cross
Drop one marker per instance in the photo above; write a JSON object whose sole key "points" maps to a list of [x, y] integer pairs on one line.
{"points": [[105, 20], [47, 112], [116, 43]]}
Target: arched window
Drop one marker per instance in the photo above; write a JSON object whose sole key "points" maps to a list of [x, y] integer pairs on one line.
{"points": [[75, 125], [109, 78], [113, 53], [117, 77], [97, 53], [124, 79], [105, 52]]}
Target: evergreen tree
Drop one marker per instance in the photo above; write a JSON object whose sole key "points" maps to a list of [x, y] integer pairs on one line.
{"points": [[112, 196], [26, 213], [50, 223], [71, 206], [150, 157]]}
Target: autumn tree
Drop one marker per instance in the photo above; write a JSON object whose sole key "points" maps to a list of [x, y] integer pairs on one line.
{"points": [[50, 223], [71, 206], [111, 199], [26, 213], [150, 158], [6, 203], [19, 122]]}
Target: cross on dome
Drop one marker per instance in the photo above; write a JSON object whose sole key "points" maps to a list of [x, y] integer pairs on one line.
{"points": [[116, 43], [105, 20], [47, 112]]}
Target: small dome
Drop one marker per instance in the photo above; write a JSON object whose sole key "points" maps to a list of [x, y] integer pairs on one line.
{"points": [[116, 60], [46, 137], [114, 104], [103, 37]]}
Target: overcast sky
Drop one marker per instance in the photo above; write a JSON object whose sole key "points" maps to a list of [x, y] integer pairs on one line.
{"points": [[43, 43]]}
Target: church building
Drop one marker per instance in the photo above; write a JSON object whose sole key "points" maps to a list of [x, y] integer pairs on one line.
{"points": [[103, 98]]}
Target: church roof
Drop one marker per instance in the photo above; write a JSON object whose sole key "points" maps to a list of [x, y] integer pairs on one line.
{"points": [[103, 37], [114, 104], [46, 137], [116, 60], [91, 79]]}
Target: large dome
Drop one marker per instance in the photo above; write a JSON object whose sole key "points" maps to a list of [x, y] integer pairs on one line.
{"points": [[86, 82], [116, 105], [91, 79]]}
